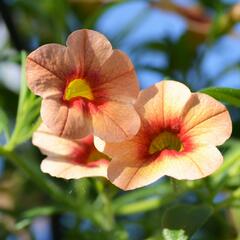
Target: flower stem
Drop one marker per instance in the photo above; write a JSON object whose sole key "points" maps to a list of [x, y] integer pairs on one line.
{"points": [[107, 212], [37, 177]]}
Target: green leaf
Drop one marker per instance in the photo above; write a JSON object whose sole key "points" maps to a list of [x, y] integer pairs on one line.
{"points": [[230, 166], [142, 200], [187, 217], [27, 119], [23, 87], [82, 192], [145, 199], [41, 211], [174, 234], [4, 123], [22, 224], [139, 206], [141, 194], [28, 216], [227, 95]]}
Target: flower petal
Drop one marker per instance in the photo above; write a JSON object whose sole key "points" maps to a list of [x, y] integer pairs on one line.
{"points": [[117, 83], [64, 156], [54, 114], [89, 49], [47, 69], [53, 145], [129, 172], [131, 147], [115, 122], [65, 121], [199, 163], [70, 170], [163, 102], [129, 163], [207, 120]]}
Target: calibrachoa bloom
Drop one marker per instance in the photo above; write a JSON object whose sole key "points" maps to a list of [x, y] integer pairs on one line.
{"points": [[86, 86], [177, 137], [69, 159]]}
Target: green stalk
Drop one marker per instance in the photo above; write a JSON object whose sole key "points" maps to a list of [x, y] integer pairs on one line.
{"points": [[37, 177], [140, 206], [105, 218]]}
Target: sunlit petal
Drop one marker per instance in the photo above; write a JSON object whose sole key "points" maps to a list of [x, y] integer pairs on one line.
{"points": [[47, 69], [207, 120], [70, 170], [115, 122]]}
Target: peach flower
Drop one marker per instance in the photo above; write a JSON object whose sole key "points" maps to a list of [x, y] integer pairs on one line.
{"points": [[177, 137], [69, 159], [86, 86]]}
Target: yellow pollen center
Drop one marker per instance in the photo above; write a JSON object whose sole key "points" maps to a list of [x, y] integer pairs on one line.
{"points": [[96, 155], [165, 140], [78, 88]]}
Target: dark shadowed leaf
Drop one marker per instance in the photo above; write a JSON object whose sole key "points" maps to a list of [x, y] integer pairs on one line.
{"points": [[187, 217]]}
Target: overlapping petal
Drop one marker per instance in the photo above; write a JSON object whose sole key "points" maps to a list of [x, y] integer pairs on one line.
{"points": [[115, 121], [69, 159], [117, 76], [53, 145], [65, 121], [68, 170]]}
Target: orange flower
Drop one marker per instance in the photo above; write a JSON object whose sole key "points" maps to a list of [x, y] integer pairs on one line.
{"points": [[69, 159], [177, 138], [87, 87]]}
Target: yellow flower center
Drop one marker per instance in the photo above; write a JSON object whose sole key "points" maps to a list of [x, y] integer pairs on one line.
{"points": [[96, 155], [165, 140], [78, 88]]}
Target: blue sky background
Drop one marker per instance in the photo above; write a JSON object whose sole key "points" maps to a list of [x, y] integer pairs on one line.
{"points": [[226, 52]]}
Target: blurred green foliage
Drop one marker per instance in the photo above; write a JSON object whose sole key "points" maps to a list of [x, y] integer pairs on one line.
{"points": [[93, 208]]}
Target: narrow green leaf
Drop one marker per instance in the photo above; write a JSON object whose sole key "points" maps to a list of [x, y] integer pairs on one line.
{"points": [[27, 112], [230, 166], [22, 224], [139, 206], [23, 88], [187, 217], [227, 95], [41, 211], [141, 194], [4, 123]]}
